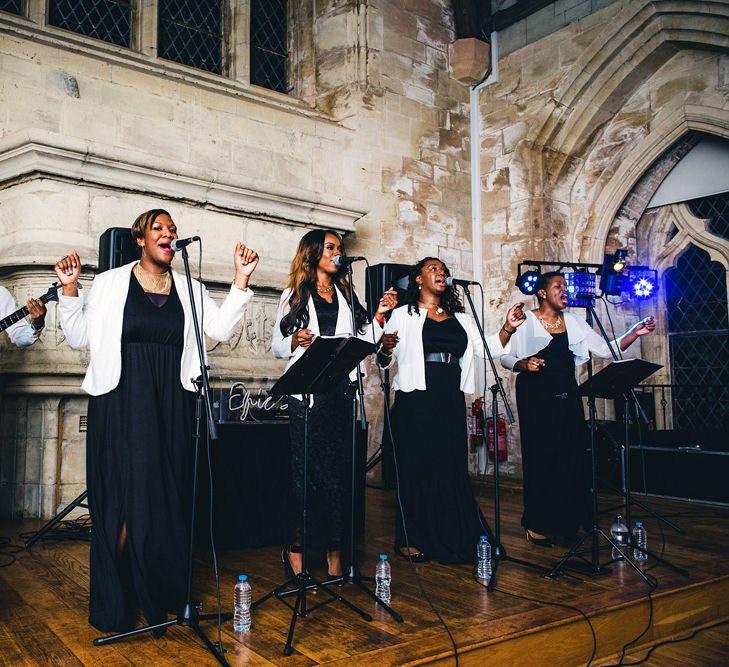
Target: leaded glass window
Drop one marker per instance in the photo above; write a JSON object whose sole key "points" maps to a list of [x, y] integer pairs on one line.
{"points": [[191, 33], [715, 209], [269, 45], [698, 328], [12, 6], [107, 20]]}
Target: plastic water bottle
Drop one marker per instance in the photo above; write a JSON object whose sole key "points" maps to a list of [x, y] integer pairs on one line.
{"points": [[640, 535], [483, 554], [621, 536], [383, 579], [242, 605]]}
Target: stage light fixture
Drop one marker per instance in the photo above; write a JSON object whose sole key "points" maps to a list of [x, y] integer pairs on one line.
{"points": [[612, 279], [643, 282], [581, 288], [527, 282]]}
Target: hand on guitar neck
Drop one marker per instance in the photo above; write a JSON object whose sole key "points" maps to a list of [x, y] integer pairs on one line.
{"points": [[68, 270], [36, 308]]}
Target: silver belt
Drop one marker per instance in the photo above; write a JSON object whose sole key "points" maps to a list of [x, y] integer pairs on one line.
{"points": [[441, 357]]}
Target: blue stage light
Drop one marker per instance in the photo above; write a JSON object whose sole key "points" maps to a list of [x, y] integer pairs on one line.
{"points": [[527, 282], [643, 282], [581, 287]]}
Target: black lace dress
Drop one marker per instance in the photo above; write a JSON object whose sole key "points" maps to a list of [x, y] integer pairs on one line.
{"points": [[441, 515], [329, 442], [553, 444], [138, 452]]}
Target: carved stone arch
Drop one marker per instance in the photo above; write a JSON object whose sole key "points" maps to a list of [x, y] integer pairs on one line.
{"points": [[635, 44], [589, 238]]}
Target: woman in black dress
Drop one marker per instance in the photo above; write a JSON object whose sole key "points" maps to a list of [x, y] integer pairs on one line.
{"points": [[551, 418], [136, 322], [316, 302], [434, 344]]}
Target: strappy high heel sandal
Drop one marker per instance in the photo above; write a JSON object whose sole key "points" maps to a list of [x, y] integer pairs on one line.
{"points": [[288, 570]]}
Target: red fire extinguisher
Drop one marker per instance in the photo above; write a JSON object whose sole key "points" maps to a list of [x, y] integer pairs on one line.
{"points": [[500, 436], [476, 436]]}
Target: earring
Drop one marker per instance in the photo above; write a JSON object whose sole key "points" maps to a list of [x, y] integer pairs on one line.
{"points": [[420, 287]]}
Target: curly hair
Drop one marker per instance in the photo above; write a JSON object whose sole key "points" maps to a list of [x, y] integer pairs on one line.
{"points": [[450, 301], [302, 282]]}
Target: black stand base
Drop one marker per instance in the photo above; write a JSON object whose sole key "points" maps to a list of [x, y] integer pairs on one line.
{"points": [[190, 618], [77, 502], [299, 586]]}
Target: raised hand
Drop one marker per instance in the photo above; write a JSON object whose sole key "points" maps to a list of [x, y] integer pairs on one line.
{"points": [[68, 271], [245, 261], [387, 302], [645, 326], [515, 317], [389, 342]]}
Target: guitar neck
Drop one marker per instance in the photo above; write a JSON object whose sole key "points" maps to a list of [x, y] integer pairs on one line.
{"points": [[18, 315]]}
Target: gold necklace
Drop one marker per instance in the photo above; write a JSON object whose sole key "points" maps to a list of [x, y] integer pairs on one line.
{"points": [[548, 326], [155, 283], [438, 309], [325, 290]]}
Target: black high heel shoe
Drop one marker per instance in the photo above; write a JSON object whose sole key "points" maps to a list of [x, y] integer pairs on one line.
{"points": [[288, 570], [539, 541], [335, 578], [418, 557]]}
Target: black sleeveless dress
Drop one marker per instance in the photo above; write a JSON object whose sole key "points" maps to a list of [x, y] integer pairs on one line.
{"points": [[553, 443], [138, 457], [441, 515]]}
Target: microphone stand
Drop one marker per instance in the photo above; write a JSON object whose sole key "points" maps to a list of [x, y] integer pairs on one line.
{"points": [[354, 575], [498, 553], [190, 615]]}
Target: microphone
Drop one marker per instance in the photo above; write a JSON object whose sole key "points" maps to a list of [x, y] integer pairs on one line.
{"points": [[346, 260], [450, 281], [179, 244]]}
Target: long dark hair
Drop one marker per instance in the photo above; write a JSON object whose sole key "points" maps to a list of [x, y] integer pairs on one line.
{"points": [[302, 282], [450, 301]]}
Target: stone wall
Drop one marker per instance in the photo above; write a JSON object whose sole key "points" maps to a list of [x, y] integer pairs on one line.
{"points": [[376, 147], [578, 118]]}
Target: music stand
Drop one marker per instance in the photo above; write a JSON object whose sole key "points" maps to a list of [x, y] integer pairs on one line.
{"points": [[613, 381], [324, 364]]}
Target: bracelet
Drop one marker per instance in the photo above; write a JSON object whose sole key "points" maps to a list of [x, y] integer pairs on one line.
{"points": [[511, 333], [379, 318], [384, 353]]}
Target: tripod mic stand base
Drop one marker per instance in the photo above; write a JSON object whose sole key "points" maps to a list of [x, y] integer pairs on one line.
{"points": [[190, 617], [582, 567]]}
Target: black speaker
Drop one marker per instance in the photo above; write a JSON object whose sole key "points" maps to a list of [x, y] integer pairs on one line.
{"points": [[380, 277], [116, 248]]}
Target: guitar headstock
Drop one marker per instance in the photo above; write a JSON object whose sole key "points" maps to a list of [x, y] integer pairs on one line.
{"points": [[51, 294]]}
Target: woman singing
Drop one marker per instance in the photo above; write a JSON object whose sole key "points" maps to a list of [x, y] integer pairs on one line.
{"points": [[136, 322], [551, 419], [434, 343], [316, 302]]}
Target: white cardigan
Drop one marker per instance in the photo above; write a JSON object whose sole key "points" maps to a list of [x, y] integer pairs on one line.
{"points": [[410, 356], [531, 337], [96, 322], [281, 345]]}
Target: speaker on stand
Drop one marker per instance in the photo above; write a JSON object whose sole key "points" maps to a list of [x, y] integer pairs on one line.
{"points": [[378, 279]]}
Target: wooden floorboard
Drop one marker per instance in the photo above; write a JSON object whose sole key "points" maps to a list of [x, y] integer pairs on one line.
{"points": [[44, 599]]}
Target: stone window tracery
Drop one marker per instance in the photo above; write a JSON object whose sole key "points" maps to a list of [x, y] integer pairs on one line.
{"points": [[107, 20]]}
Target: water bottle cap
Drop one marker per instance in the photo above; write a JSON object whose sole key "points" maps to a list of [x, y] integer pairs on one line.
{"points": [[242, 577], [383, 556], [483, 538], [638, 524]]}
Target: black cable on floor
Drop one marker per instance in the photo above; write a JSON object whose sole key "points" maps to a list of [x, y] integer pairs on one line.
{"points": [[8, 551], [69, 529]]}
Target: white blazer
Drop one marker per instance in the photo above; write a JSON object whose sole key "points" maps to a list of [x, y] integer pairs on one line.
{"points": [[96, 322], [531, 337], [281, 345], [410, 356]]}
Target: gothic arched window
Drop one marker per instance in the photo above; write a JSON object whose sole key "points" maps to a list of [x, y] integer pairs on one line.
{"points": [[698, 333]]}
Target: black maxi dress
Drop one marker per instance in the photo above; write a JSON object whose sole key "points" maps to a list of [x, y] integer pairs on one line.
{"points": [[138, 460], [328, 447], [553, 441], [442, 517]]}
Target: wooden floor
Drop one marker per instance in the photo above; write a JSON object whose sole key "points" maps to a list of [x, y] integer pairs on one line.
{"points": [[44, 597]]}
